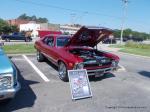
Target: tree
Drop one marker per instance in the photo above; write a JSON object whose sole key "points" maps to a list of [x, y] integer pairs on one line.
{"points": [[14, 28], [117, 33], [128, 32], [33, 18], [42, 20], [4, 27], [23, 16]]}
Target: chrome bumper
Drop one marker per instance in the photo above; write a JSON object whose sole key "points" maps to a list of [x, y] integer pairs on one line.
{"points": [[9, 93], [99, 71]]}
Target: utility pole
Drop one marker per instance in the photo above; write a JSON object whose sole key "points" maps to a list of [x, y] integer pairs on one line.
{"points": [[73, 15], [123, 19]]}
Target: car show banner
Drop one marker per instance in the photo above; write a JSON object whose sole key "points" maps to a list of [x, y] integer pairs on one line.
{"points": [[79, 84]]}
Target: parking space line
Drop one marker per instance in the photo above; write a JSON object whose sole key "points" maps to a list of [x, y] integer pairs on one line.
{"points": [[122, 68], [36, 69]]}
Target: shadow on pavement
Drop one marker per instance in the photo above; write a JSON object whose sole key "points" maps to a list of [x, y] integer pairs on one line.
{"points": [[144, 73], [91, 78], [24, 98], [105, 76], [51, 64]]}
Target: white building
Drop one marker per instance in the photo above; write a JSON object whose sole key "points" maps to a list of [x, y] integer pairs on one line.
{"points": [[68, 29], [31, 26]]}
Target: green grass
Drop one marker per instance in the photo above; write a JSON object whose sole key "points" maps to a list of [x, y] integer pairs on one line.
{"points": [[116, 46], [134, 48], [137, 45], [137, 51], [19, 49]]}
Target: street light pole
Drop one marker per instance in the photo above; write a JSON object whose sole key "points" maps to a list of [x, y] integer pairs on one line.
{"points": [[123, 19], [72, 18]]}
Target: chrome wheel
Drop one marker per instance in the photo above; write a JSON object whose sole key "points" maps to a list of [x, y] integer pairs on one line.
{"points": [[62, 71], [39, 56]]}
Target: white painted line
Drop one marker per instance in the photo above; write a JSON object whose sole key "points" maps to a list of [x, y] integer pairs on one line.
{"points": [[36, 69], [18, 59], [122, 68]]}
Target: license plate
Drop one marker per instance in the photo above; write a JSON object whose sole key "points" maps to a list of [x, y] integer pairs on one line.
{"points": [[99, 74]]}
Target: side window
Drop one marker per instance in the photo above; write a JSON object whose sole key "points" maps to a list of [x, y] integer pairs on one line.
{"points": [[49, 41], [45, 40]]}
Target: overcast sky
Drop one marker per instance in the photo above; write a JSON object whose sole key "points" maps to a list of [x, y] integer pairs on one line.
{"points": [[106, 13]]}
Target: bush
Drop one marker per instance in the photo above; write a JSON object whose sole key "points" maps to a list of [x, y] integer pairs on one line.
{"points": [[137, 45]]}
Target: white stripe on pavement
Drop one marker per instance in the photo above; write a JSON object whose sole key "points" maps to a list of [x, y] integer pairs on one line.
{"points": [[122, 68], [36, 69]]}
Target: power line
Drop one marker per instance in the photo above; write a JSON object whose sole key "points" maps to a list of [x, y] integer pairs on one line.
{"points": [[78, 11], [67, 9]]}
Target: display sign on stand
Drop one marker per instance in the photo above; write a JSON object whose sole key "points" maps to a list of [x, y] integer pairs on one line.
{"points": [[79, 84]]}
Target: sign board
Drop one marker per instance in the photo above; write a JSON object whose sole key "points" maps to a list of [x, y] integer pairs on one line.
{"points": [[79, 84]]}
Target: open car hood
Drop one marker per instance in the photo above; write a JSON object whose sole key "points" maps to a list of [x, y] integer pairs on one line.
{"points": [[89, 36]]}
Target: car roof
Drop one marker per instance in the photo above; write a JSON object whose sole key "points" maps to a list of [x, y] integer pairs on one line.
{"points": [[57, 35]]}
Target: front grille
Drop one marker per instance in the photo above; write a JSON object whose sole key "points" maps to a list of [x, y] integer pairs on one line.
{"points": [[91, 65], [97, 64]]}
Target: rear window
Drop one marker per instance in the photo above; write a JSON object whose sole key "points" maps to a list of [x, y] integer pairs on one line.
{"points": [[62, 41]]}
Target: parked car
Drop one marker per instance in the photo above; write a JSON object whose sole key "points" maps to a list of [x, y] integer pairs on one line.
{"points": [[16, 36], [9, 84], [77, 52], [109, 41]]}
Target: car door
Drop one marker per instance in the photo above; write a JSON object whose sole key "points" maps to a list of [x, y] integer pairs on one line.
{"points": [[49, 49], [14, 36], [21, 37]]}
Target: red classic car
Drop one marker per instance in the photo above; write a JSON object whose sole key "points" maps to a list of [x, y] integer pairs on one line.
{"points": [[77, 52]]}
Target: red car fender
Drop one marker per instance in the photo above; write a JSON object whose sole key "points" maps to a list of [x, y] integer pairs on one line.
{"points": [[112, 56], [70, 60]]}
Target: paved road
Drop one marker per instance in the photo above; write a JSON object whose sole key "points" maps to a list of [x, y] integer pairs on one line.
{"points": [[122, 91]]}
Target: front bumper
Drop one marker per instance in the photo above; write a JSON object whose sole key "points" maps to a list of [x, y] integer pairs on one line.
{"points": [[9, 93], [100, 71]]}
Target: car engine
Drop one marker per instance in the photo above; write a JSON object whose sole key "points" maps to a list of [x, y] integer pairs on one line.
{"points": [[91, 57]]}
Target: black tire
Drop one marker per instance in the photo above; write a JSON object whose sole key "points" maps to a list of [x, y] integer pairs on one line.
{"points": [[7, 39], [30, 39], [40, 57], [62, 69], [26, 40]]}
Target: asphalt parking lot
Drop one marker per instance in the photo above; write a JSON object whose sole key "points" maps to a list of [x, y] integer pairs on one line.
{"points": [[126, 90]]}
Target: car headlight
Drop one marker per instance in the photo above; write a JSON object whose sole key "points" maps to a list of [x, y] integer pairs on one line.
{"points": [[114, 63], [79, 66], [6, 81]]}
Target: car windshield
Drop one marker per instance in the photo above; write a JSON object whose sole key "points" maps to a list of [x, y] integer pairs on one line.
{"points": [[62, 41]]}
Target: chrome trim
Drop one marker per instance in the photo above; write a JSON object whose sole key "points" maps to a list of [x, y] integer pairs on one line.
{"points": [[76, 64], [9, 93], [49, 57], [8, 75], [104, 70]]}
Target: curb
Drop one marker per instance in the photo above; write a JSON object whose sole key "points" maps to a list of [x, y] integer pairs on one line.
{"points": [[28, 54]]}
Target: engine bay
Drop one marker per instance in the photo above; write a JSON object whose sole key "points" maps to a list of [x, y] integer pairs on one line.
{"points": [[91, 56]]}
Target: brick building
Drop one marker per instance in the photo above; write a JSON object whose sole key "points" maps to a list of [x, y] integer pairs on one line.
{"points": [[17, 22]]}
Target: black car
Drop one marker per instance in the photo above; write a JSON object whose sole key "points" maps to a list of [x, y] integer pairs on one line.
{"points": [[16, 36], [109, 41]]}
